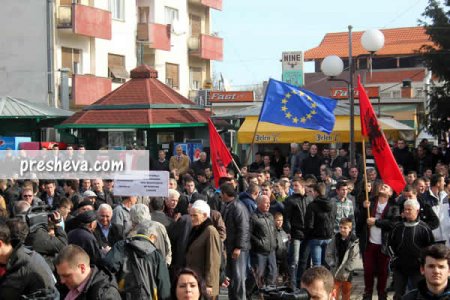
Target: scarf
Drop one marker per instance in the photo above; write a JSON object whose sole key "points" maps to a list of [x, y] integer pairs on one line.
{"points": [[197, 231]]}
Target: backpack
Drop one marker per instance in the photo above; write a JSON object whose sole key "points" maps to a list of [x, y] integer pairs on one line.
{"points": [[136, 279]]}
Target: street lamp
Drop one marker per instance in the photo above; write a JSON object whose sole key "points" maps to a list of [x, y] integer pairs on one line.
{"points": [[332, 66]]}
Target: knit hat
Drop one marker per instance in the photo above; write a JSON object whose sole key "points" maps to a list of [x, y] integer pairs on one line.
{"points": [[87, 217], [202, 206]]}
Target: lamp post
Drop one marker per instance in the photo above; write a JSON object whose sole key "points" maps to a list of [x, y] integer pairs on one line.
{"points": [[332, 66]]}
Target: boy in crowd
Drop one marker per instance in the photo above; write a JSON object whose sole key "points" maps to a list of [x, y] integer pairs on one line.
{"points": [[341, 257], [281, 250]]}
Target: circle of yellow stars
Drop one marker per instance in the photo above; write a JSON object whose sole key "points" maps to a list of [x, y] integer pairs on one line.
{"points": [[295, 119]]}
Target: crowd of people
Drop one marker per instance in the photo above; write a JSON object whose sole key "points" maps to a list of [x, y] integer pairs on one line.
{"points": [[283, 220]]}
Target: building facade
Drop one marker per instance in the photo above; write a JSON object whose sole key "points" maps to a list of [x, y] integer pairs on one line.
{"points": [[97, 42]]}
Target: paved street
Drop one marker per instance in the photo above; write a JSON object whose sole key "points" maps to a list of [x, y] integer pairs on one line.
{"points": [[357, 290]]}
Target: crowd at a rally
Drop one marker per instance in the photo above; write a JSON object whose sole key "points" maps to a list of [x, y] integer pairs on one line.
{"points": [[264, 224]]}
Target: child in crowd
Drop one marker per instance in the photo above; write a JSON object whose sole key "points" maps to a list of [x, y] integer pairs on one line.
{"points": [[282, 248], [341, 256]]}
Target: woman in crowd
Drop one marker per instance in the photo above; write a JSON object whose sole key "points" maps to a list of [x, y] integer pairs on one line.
{"points": [[188, 286], [204, 247]]}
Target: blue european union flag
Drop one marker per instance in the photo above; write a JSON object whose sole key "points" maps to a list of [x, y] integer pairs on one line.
{"points": [[287, 105]]}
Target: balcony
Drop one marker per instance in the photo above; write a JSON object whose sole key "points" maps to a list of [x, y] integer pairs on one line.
{"points": [[85, 20], [215, 4], [206, 47], [157, 35], [86, 89]]}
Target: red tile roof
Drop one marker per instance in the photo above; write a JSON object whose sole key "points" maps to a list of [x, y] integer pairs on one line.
{"points": [[139, 116], [153, 101], [398, 41]]}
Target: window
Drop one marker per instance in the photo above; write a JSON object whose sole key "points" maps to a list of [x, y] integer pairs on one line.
{"points": [[195, 75], [195, 25], [117, 9], [71, 59], [116, 68], [172, 75], [171, 14]]}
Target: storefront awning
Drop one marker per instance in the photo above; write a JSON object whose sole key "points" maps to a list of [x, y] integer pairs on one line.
{"points": [[276, 134]]}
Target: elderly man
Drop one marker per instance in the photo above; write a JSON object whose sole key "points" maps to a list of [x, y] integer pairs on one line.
{"points": [[140, 214], [145, 273], [121, 215], [200, 164], [84, 280], [106, 233], [171, 203], [406, 241], [179, 161]]}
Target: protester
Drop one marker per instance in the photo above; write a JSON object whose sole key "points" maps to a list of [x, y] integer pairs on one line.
{"points": [[341, 257], [188, 286], [407, 239], [434, 266], [84, 281], [204, 247]]}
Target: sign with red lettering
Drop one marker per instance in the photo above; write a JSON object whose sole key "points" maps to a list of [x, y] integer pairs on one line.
{"points": [[230, 97], [342, 92]]}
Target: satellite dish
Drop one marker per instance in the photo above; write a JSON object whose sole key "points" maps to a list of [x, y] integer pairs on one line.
{"points": [[177, 28]]}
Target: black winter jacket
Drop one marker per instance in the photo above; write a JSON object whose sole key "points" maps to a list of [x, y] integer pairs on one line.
{"points": [[102, 285], [236, 218], [48, 246], [319, 219], [422, 293], [263, 232], [294, 215], [25, 274], [407, 241]]}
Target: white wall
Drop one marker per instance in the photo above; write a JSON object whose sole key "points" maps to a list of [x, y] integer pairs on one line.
{"points": [[179, 51], [23, 50]]}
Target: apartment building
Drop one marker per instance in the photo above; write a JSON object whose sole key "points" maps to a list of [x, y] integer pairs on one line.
{"points": [[97, 42]]}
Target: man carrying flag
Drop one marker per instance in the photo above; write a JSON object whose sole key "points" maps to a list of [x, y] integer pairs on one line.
{"points": [[384, 159], [220, 156]]}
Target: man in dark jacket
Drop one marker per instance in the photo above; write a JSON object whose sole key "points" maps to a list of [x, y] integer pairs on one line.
{"points": [[248, 198], [42, 242], [237, 244], [319, 224], [83, 280], [51, 196], [311, 164], [160, 164], [141, 269], [294, 225], [83, 236], [263, 244], [106, 233], [406, 241], [158, 215], [434, 266], [403, 156], [22, 274]]}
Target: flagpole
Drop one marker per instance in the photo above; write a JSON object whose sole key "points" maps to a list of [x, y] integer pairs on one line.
{"points": [[365, 174], [236, 166], [257, 125]]}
